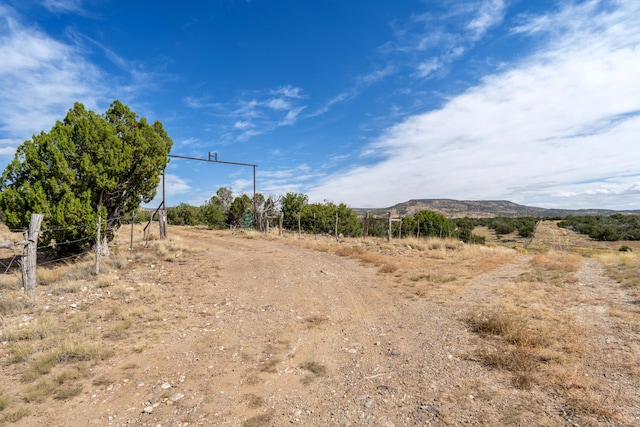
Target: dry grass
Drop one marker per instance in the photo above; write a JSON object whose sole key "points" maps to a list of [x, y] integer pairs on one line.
{"points": [[15, 415], [5, 401], [314, 368], [51, 339], [42, 328], [254, 401], [531, 332], [259, 420], [623, 267]]}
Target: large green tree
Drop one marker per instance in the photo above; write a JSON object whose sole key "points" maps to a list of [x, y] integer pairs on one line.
{"points": [[87, 165]]}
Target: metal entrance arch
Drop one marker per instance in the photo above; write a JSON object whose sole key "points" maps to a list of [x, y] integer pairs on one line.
{"points": [[214, 159]]}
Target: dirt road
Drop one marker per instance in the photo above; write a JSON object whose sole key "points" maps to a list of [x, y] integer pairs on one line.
{"points": [[259, 332]]}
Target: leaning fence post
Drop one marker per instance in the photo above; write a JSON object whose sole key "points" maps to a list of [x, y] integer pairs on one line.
{"points": [[30, 254]]}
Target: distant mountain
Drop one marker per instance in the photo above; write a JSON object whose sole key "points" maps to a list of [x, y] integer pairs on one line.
{"points": [[481, 208]]}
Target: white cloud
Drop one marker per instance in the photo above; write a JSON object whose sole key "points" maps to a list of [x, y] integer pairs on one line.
{"points": [[41, 78], [426, 68], [430, 42], [255, 113], [278, 104], [566, 115], [8, 146], [174, 186], [375, 76], [65, 6], [291, 117], [241, 124], [490, 13], [288, 91]]}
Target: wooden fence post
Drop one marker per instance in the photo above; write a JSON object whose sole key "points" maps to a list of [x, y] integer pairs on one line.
{"points": [[366, 226], [30, 254], [162, 218], [389, 228], [98, 243], [280, 225], [336, 225]]}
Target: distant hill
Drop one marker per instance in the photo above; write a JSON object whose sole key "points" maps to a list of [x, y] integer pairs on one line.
{"points": [[481, 208]]}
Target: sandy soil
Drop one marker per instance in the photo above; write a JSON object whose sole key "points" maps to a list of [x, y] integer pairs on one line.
{"points": [[263, 332]]}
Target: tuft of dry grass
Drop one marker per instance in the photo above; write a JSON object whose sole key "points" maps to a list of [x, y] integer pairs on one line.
{"points": [[521, 362], [315, 320], [12, 305], [270, 365], [513, 328], [5, 401], [388, 268], [68, 351], [15, 415], [43, 327], [259, 420], [254, 401], [314, 367], [120, 330]]}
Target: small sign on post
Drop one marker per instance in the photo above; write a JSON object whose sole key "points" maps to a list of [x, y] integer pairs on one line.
{"points": [[248, 221]]}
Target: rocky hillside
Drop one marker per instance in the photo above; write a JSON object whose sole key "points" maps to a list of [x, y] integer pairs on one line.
{"points": [[481, 208]]}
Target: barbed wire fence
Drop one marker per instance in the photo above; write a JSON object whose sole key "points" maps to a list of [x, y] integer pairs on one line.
{"points": [[27, 260]]}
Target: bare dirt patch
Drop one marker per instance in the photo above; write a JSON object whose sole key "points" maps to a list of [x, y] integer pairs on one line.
{"points": [[225, 329]]}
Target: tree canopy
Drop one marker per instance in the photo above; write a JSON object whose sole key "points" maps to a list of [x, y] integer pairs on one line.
{"points": [[87, 165]]}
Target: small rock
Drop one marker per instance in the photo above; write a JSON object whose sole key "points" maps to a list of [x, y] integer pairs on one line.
{"points": [[165, 386], [147, 410], [176, 397]]}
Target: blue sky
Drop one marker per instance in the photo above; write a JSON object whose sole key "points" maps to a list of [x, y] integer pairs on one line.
{"points": [[365, 102]]}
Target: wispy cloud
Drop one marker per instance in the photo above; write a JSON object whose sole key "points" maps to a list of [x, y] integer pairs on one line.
{"points": [[65, 6], [254, 113], [287, 180], [41, 78], [428, 45], [557, 122], [431, 42], [489, 14]]}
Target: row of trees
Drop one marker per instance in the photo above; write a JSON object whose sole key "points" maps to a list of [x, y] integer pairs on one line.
{"points": [[223, 210], [605, 227], [226, 210]]}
